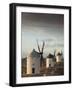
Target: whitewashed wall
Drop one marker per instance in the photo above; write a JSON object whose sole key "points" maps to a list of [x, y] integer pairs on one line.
{"points": [[33, 63], [49, 61], [58, 58]]}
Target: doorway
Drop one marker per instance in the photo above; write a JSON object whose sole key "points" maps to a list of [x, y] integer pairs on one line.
{"points": [[33, 70]]}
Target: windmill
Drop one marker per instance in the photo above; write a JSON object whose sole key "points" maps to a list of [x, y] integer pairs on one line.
{"points": [[41, 52]]}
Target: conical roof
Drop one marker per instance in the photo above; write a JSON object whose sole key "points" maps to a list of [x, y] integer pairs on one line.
{"points": [[59, 54], [50, 55], [34, 54]]}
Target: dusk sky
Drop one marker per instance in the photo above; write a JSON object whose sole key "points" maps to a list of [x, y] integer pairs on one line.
{"points": [[46, 27]]}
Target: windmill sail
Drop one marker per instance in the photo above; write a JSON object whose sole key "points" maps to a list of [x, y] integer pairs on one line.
{"points": [[38, 46], [43, 46], [41, 52]]}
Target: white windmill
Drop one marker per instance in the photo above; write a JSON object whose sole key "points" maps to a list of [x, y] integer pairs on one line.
{"points": [[50, 60], [33, 62], [59, 57]]}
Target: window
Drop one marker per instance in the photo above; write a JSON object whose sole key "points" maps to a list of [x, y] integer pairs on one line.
{"points": [[49, 65]]}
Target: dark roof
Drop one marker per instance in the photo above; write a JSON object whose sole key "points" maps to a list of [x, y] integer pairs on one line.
{"points": [[34, 53], [50, 56], [59, 54]]}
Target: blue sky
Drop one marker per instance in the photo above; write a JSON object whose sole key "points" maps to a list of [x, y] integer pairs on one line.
{"points": [[42, 27]]}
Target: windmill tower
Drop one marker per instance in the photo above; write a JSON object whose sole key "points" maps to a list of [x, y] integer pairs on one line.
{"points": [[33, 62], [41, 52], [59, 56]]}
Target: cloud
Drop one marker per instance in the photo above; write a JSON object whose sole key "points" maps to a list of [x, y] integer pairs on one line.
{"points": [[50, 43]]}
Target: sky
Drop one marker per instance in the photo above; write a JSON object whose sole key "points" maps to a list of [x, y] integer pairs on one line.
{"points": [[42, 27]]}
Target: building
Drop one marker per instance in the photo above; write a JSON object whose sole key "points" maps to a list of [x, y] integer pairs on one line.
{"points": [[50, 61], [33, 63], [59, 57], [53, 64]]}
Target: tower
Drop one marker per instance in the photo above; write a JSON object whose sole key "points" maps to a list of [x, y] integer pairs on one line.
{"points": [[33, 62]]}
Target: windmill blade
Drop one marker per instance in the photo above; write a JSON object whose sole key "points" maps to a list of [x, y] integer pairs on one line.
{"points": [[38, 46], [54, 52], [43, 46]]}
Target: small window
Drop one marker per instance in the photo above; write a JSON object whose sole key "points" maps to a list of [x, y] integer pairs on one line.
{"points": [[33, 70], [49, 65]]}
